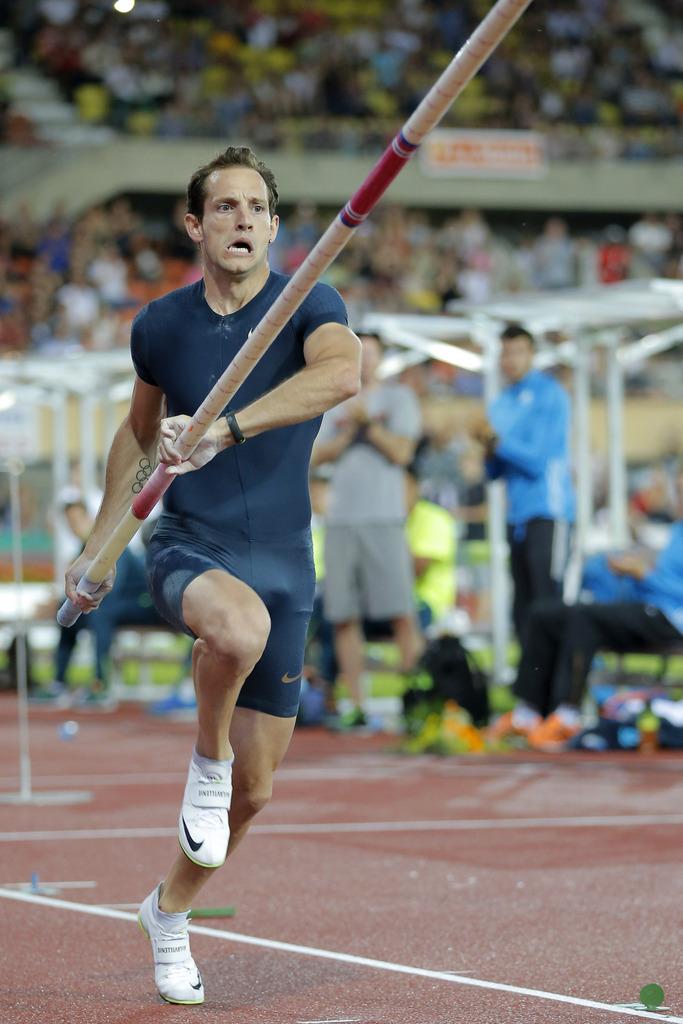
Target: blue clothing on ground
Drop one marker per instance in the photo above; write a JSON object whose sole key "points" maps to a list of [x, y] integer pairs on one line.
{"points": [[181, 346], [532, 420], [663, 585], [247, 512]]}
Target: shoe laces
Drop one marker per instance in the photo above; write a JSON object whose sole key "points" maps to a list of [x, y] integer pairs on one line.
{"points": [[181, 972], [210, 817]]}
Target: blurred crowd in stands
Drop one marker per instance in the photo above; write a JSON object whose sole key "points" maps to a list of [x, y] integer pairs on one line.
{"points": [[599, 77], [72, 285]]}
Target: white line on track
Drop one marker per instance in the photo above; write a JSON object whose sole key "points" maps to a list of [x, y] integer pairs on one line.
{"points": [[29, 887], [350, 827], [346, 958], [360, 771]]}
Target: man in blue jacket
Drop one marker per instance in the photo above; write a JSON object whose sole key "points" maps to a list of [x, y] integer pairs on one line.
{"points": [[526, 438]]}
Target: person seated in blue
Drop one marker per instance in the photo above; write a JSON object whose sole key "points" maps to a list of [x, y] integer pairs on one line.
{"points": [[635, 604]]}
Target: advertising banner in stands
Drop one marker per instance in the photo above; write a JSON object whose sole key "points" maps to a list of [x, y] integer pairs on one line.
{"points": [[457, 152]]}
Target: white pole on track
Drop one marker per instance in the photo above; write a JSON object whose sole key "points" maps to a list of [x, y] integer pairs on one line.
{"points": [[14, 468]]}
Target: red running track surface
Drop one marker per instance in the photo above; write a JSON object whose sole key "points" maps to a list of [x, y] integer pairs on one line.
{"points": [[478, 890]]}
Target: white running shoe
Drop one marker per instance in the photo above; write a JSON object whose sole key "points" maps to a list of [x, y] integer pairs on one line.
{"points": [[176, 974], [203, 829]]}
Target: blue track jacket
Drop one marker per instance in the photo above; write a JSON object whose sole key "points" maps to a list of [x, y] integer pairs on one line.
{"points": [[532, 421]]}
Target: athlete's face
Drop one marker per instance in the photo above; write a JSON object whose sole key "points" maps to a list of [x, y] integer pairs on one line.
{"points": [[516, 358], [236, 229]]}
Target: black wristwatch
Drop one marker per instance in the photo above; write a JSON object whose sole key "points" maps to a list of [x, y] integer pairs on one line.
{"points": [[233, 427]]}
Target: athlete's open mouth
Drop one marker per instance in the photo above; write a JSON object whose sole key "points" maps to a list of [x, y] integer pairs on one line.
{"points": [[241, 246]]}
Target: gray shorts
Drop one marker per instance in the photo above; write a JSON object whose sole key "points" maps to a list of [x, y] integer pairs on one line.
{"points": [[368, 572]]}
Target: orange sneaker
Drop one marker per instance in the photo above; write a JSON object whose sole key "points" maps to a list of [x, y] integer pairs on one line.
{"points": [[506, 726], [552, 734]]}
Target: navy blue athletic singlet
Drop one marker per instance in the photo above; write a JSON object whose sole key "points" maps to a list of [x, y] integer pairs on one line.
{"points": [[248, 510]]}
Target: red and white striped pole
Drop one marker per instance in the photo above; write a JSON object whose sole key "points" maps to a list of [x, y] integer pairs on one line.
{"points": [[445, 90]]}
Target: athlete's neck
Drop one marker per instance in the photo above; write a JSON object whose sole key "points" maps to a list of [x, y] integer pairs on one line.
{"points": [[226, 294]]}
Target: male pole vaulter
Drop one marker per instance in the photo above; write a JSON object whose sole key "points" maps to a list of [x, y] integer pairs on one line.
{"points": [[230, 561]]}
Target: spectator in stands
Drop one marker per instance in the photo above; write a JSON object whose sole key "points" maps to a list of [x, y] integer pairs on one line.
{"points": [[643, 608], [651, 237], [79, 302], [582, 66], [554, 257], [614, 255], [526, 439], [368, 572], [400, 262]]}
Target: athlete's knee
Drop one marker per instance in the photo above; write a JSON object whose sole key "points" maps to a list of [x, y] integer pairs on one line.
{"points": [[251, 796], [238, 635]]}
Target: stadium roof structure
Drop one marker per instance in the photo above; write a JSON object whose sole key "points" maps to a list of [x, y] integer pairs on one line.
{"points": [[618, 318], [74, 372], [615, 305]]}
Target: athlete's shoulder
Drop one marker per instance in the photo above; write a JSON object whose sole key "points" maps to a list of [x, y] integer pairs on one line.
{"points": [[321, 290], [322, 305]]}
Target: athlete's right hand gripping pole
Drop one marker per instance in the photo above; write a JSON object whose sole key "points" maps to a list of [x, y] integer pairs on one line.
{"points": [[445, 90]]}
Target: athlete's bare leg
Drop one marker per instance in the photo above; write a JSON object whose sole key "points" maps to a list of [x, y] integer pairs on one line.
{"points": [[260, 742], [232, 626]]}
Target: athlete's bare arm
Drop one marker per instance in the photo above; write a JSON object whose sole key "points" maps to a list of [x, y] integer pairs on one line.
{"points": [[331, 375], [131, 458]]}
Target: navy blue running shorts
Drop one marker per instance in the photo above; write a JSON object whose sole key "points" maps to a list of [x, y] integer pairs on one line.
{"points": [[282, 574]]}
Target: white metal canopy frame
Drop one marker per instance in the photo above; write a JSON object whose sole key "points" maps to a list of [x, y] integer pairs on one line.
{"points": [[607, 316], [37, 383]]}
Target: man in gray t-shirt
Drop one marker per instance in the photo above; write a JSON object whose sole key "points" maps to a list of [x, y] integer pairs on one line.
{"points": [[368, 569]]}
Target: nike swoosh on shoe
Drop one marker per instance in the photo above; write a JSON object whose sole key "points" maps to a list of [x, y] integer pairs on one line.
{"points": [[193, 845]]}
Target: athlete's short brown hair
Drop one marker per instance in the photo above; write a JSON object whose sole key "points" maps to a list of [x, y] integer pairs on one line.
{"points": [[233, 156]]}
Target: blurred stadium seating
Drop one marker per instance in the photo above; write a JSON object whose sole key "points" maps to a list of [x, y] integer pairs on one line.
{"points": [[599, 77]]}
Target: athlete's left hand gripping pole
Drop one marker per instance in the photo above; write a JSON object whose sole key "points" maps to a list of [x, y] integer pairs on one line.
{"points": [[449, 85]]}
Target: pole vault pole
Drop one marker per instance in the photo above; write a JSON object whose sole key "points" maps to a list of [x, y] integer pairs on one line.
{"points": [[445, 90]]}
